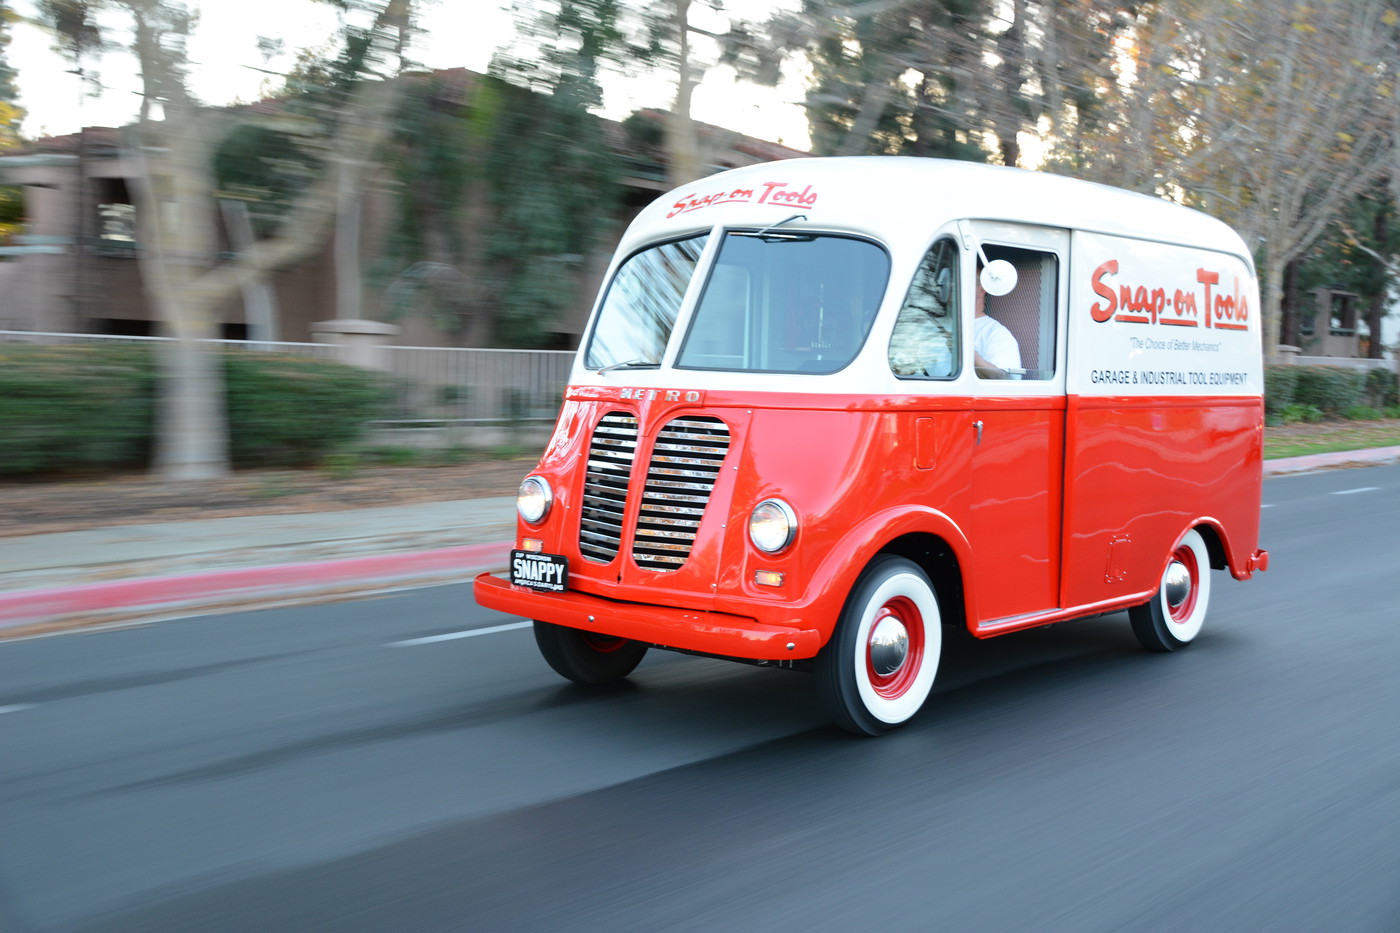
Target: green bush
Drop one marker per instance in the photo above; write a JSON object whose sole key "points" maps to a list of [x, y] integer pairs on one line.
{"points": [[1333, 389], [74, 408], [1361, 413], [1280, 386], [292, 411], [67, 409], [1382, 388], [1295, 413]]}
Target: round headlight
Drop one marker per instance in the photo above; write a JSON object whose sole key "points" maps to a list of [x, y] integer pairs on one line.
{"points": [[534, 499], [772, 525]]}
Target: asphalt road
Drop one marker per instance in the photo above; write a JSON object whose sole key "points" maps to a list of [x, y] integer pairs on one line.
{"points": [[324, 768]]}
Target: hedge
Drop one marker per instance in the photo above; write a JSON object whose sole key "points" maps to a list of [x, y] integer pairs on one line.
{"points": [[74, 408], [293, 410], [67, 409], [1333, 390], [1280, 388], [1330, 388], [1382, 388]]}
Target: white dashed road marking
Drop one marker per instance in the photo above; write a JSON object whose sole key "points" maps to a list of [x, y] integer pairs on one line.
{"points": [[467, 634]]}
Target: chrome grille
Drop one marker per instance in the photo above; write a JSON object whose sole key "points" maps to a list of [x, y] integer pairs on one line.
{"points": [[610, 457], [684, 466]]}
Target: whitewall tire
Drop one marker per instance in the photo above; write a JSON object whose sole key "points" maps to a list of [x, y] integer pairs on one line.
{"points": [[878, 668], [1173, 617]]}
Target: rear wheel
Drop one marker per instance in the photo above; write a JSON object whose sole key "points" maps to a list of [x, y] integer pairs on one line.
{"points": [[1176, 612], [878, 668], [586, 657]]}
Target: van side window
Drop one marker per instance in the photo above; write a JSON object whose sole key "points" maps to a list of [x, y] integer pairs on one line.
{"points": [[925, 343], [1013, 335]]}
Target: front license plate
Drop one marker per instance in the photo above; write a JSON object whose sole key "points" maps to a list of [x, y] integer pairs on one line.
{"points": [[549, 572]]}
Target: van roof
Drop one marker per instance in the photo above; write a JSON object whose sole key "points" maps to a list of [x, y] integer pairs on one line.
{"points": [[880, 194]]}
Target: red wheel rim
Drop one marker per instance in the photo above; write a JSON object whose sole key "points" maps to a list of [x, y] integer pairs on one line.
{"points": [[1182, 612], [603, 644], [896, 684]]}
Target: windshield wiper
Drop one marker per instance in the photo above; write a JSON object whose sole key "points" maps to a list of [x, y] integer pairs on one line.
{"points": [[769, 237], [630, 364]]}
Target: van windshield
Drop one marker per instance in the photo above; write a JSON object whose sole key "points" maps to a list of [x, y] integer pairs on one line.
{"points": [[786, 303], [640, 308]]}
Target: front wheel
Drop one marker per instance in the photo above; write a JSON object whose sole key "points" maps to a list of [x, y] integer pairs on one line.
{"points": [[878, 668], [586, 657], [1176, 612]]}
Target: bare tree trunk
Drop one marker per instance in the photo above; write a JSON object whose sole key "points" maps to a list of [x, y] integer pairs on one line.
{"points": [[872, 106], [1380, 232], [1272, 275], [259, 302], [348, 292], [191, 422], [1288, 314], [682, 146], [1375, 350], [1007, 91]]}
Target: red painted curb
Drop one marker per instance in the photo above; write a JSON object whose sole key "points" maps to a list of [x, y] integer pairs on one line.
{"points": [[24, 607]]}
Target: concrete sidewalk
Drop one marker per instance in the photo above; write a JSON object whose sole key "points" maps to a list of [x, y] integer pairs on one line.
{"points": [[159, 570], [142, 572]]}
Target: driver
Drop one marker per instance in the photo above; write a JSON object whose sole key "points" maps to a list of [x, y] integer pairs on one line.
{"points": [[994, 349]]}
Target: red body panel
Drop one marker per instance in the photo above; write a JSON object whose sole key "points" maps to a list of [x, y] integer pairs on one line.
{"points": [[1016, 508], [1064, 508], [1143, 470]]}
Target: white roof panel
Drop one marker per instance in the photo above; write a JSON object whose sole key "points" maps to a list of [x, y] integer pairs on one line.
{"points": [[890, 197]]}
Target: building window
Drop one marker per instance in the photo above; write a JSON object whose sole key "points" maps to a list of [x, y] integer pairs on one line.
{"points": [[1343, 315], [118, 223], [116, 215]]}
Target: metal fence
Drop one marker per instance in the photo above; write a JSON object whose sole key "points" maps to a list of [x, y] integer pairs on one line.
{"points": [[1347, 362], [441, 384], [431, 385]]}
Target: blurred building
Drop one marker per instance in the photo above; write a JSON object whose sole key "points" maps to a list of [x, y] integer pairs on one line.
{"points": [[1330, 325], [76, 270]]}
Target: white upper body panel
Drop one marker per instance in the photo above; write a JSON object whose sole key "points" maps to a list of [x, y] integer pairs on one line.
{"points": [[1174, 263]]}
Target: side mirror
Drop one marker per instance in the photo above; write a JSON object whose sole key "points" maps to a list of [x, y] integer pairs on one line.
{"points": [[943, 288], [998, 277]]}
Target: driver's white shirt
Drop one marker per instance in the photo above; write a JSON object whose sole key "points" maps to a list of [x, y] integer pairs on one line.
{"points": [[994, 343]]}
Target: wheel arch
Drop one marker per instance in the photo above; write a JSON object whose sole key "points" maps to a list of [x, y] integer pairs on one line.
{"points": [[939, 561], [925, 536], [1214, 538]]}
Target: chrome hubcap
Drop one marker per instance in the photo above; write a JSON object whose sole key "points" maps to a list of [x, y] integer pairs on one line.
{"points": [[1176, 584], [889, 646]]}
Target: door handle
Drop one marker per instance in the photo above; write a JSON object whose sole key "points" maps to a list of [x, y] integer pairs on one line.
{"points": [[978, 426]]}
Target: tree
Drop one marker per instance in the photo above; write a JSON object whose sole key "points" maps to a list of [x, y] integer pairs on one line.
{"points": [[891, 76], [11, 207], [672, 33], [965, 79], [184, 276], [548, 169], [10, 112], [1361, 253], [559, 35], [1272, 115]]}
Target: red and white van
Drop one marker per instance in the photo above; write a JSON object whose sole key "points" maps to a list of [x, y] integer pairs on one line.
{"points": [[793, 438]]}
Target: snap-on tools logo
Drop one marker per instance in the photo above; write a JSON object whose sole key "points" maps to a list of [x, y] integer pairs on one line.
{"points": [[1204, 306], [770, 192]]}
